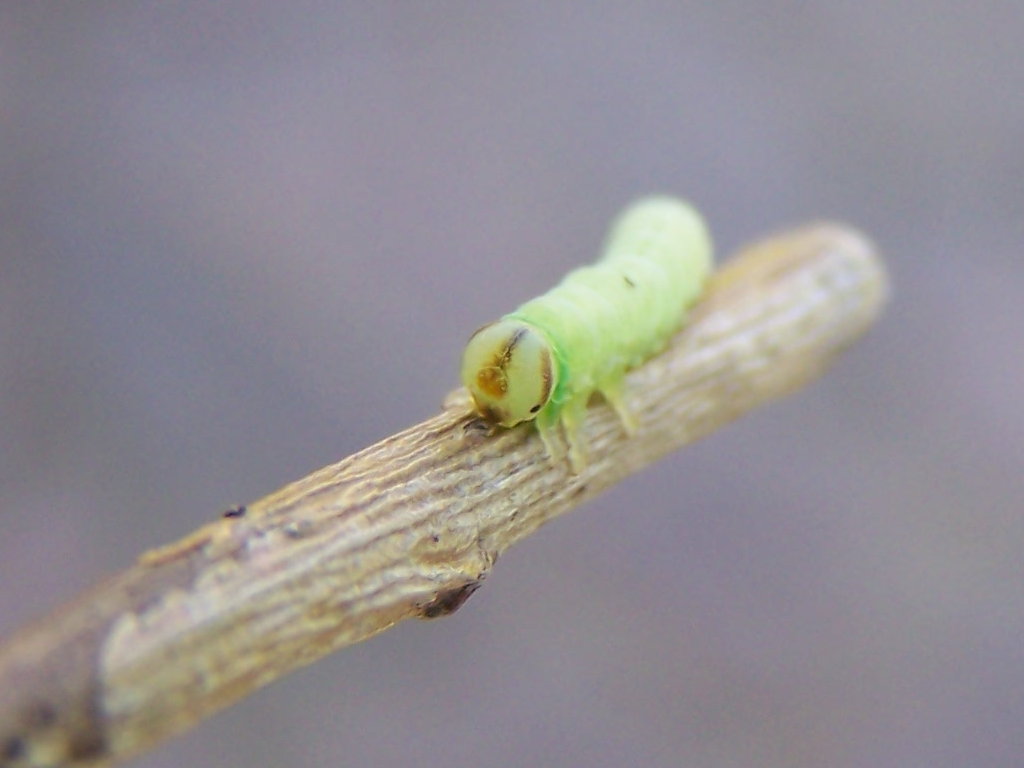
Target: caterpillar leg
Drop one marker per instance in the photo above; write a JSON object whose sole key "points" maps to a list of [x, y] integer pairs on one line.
{"points": [[573, 415], [614, 392], [547, 426]]}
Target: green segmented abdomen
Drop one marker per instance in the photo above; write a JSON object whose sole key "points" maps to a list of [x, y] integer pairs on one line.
{"points": [[600, 321], [606, 318]]}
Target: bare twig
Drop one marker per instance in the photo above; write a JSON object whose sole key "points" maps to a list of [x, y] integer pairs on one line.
{"points": [[408, 527]]}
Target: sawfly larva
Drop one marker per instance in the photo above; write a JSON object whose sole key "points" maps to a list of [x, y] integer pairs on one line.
{"points": [[547, 358]]}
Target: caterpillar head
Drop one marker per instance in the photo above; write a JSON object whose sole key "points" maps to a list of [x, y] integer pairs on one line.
{"points": [[509, 369]]}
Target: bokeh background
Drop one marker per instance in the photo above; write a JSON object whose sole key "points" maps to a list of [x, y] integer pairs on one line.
{"points": [[239, 241]]}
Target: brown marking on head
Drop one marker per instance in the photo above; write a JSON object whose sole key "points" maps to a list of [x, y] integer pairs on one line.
{"points": [[546, 376], [502, 358], [492, 380], [512, 343]]}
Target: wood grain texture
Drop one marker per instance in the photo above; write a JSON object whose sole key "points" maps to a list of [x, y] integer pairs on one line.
{"points": [[408, 527]]}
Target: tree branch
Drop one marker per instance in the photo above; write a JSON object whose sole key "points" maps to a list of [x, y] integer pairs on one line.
{"points": [[408, 527]]}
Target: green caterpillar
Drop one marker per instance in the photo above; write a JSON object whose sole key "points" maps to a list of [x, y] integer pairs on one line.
{"points": [[547, 358]]}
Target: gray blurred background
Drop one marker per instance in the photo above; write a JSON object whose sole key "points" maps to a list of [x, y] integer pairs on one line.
{"points": [[239, 241]]}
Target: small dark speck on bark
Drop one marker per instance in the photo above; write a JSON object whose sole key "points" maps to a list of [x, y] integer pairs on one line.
{"points": [[448, 602]]}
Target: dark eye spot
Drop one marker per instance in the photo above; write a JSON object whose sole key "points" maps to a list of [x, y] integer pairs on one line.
{"points": [[629, 281], [535, 408]]}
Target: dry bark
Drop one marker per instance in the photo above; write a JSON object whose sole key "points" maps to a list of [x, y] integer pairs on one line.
{"points": [[408, 527]]}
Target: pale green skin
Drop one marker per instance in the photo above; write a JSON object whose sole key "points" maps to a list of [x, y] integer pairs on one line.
{"points": [[595, 325]]}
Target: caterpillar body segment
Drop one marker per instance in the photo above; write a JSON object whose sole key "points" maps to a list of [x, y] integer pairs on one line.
{"points": [[544, 360]]}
